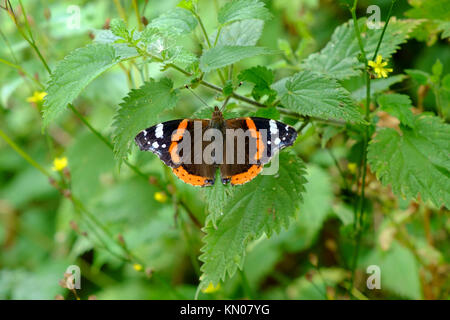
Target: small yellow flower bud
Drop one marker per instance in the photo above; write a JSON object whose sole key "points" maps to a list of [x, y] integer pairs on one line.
{"points": [[210, 288], [352, 167], [160, 196], [138, 267], [37, 97], [59, 164]]}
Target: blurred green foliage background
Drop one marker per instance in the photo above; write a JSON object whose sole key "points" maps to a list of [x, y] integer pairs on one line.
{"points": [[41, 233]]}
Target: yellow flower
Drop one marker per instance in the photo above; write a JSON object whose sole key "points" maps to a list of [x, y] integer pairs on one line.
{"points": [[379, 67], [351, 167], [138, 267], [59, 164], [37, 97], [160, 196], [210, 288]]}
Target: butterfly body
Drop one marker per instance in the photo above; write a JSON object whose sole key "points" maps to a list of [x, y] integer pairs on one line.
{"points": [[196, 148]]}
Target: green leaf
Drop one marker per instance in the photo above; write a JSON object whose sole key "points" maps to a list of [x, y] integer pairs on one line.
{"points": [[248, 216], [262, 77], [268, 112], [187, 4], [122, 49], [285, 46], [312, 216], [177, 21], [399, 270], [119, 28], [437, 68], [416, 161], [376, 86], [89, 158], [73, 74], [418, 75], [399, 106], [339, 58], [139, 110], [429, 9], [181, 57], [215, 197], [311, 94], [219, 57], [243, 9], [445, 27], [239, 33]]}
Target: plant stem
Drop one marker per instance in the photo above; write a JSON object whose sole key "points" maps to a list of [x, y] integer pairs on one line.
{"points": [[23, 154], [120, 10], [138, 17], [205, 34], [359, 218], [20, 69], [384, 29], [248, 291]]}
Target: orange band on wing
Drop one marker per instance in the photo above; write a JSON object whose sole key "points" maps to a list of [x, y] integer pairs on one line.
{"points": [[246, 176], [181, 173], [257, 135], [180, 130], [173, 152]]}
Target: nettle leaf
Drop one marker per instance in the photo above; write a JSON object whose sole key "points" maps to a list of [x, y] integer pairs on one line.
{"points": [[400, 270], [398, 105], [247, 216], [181, 57], [268, 112], [429, 9], [376, 86], [177, 21], [416, 161], [122, 49], [219, 57], [73, 74], [262, 77], [139, 110], [314, 95], [243, 9], [239, 33], [119, 28], [420, 76], [445, 27], [339, 57], [215, 197]]}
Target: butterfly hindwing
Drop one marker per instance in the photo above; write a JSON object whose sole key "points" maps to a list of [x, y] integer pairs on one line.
{"points": [[265, 138]]}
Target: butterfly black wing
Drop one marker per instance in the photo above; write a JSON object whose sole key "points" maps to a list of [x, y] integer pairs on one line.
{"points": [[166, 140], [158, 139]]}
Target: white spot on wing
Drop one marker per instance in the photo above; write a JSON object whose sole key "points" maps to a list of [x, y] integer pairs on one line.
{"points": [[277, 141], [273, 127], [145, 133], [164, 145], [159, 130], [155, 145]]}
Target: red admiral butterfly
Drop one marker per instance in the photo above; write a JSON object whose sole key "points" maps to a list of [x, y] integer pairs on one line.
{"points": [[196, 148]]}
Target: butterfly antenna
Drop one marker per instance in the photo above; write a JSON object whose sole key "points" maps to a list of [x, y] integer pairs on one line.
{"points": [[196, 95]]}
